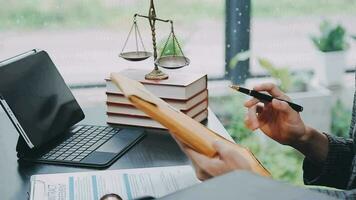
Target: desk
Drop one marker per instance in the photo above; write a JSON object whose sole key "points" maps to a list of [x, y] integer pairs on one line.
{"points": [[156, 149]]}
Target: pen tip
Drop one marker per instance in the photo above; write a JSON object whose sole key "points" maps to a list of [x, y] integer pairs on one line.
{"points": [[235, 87]]}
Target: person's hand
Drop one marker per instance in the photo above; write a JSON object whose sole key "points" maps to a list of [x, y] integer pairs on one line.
{"points": [[227, 159], [276, 119]]}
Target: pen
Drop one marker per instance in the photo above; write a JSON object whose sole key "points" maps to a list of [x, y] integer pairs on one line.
{"points": [[265, 97]]}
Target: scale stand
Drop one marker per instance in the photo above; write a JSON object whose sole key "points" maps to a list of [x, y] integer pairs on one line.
{"points": [[174, 61]]}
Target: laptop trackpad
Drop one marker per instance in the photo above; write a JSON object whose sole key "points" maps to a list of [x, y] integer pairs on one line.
{"points": [[120, 141]]}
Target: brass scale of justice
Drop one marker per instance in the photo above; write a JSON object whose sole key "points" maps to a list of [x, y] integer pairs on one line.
{"points": [[175, 60]]}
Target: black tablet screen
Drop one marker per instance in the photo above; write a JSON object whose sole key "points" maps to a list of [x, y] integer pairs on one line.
{"points": [[38, 97]]}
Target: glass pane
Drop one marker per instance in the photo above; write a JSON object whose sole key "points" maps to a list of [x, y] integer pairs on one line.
{"points": [[297, 45], [282, 30], [84, 37]]}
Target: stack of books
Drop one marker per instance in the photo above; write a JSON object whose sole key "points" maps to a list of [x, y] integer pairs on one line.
{"points": [[185, 92]]}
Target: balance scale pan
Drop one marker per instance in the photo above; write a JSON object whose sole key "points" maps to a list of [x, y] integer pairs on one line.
{"points": [[135, 55], [172, 62]]}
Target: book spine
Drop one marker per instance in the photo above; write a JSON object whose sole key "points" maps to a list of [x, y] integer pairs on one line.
{"points": [[148, 122], [165, 92], [157, 90], [119, 94], [119, 100], [130, 109]]}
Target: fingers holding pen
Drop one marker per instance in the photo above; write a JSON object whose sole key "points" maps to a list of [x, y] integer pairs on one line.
{"points": [[251, 102], [271, 89], [254, 108], [251, 119], [281, 106]]}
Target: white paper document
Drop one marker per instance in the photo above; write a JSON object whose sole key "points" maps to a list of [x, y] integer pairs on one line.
{"points": [[128, 184]]}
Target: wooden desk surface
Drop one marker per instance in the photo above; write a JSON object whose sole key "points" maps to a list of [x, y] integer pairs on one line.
{"points": [[156, 149]]}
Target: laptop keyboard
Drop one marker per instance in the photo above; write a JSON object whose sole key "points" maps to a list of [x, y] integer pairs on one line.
{"points": [[85, 139]]}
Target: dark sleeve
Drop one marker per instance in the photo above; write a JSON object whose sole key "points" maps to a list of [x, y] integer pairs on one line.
{"points": [[338, 194], [336, 170]]}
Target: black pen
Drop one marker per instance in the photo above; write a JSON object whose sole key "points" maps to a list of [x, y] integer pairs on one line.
{"points": [[265, 97]]}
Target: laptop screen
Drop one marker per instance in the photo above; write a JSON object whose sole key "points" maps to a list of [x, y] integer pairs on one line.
{"points": [[40, 101]]}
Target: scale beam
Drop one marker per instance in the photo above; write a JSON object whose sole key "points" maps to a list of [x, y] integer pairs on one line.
{"points": [[157, 19]]}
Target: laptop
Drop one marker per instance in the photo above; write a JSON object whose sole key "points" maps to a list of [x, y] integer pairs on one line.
{"points": [[46, 116]]}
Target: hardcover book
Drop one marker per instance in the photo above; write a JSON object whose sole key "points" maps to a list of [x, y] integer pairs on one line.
{"points": [[133, 111], [179, 86], [179, 104], [115, 119]]}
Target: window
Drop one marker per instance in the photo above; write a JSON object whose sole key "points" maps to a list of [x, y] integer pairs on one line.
{"points": [[281, 48], [84, 37]]}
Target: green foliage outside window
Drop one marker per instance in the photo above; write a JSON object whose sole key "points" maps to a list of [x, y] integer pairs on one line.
{"points": [[282, 74], [340, 119], [332, 37], [286, 81]]}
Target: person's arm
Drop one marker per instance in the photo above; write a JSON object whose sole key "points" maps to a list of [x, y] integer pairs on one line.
{"points": [[335, 169], [281, 123], [328, 158], [313, 144]]}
